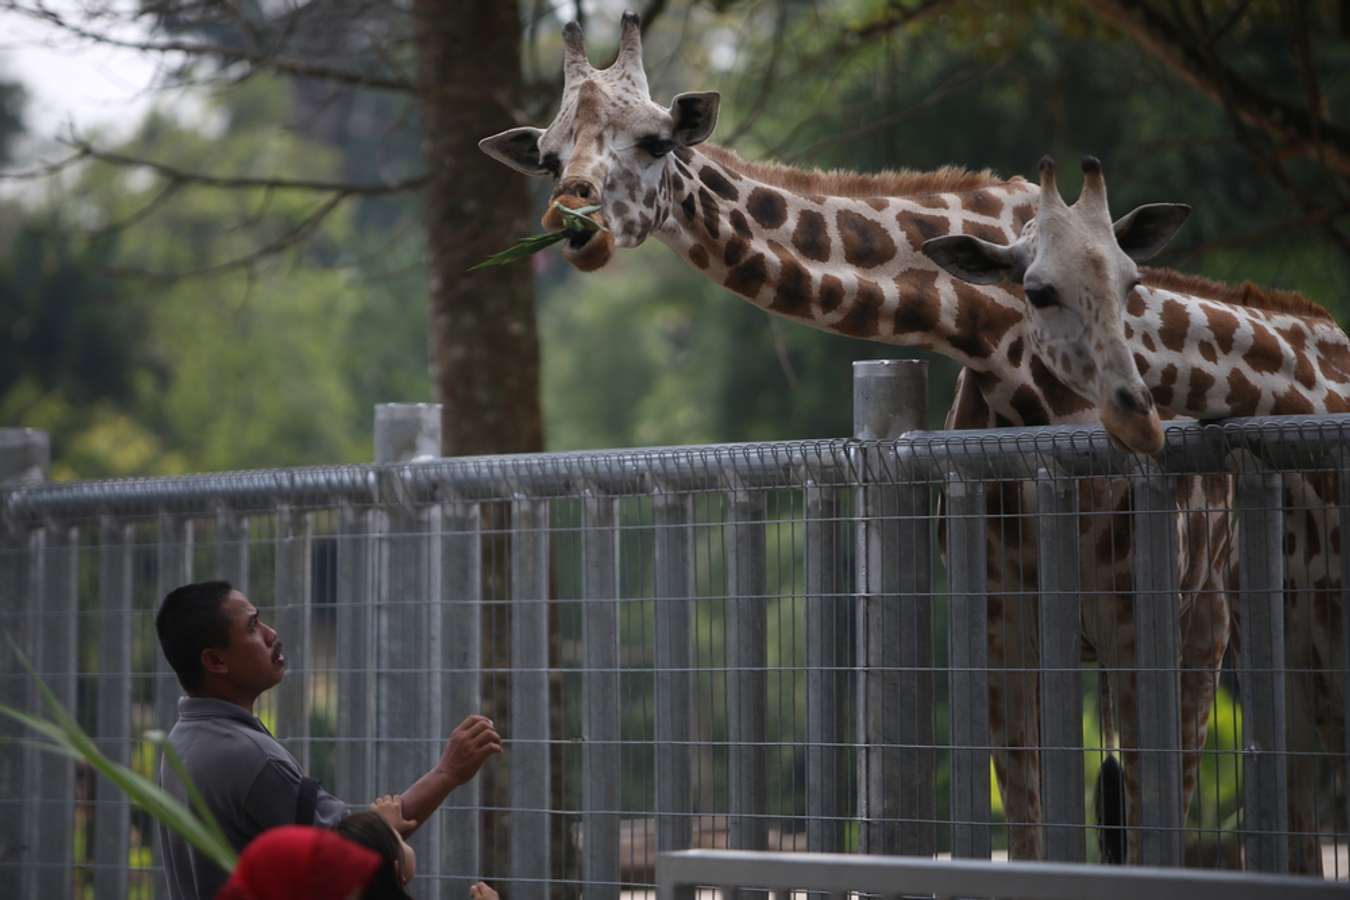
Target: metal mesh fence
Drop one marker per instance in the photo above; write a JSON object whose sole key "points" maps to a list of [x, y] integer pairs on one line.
{"points": [[925, 646]]}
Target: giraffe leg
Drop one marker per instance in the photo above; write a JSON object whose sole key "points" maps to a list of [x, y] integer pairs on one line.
{"points": [[1205, 633], [1124, 690], [1014, 720]]}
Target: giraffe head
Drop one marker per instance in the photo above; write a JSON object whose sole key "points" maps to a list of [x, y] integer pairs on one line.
{"points": [[1076, 268], [609, 146]]}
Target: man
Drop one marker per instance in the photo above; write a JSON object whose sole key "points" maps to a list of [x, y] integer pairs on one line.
{"points": [[225, 657]]}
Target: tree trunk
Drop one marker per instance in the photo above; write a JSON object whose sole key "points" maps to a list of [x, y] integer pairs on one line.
{"points": [[485, 347]]}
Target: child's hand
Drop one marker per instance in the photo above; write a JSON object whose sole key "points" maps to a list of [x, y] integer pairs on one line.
{"points": [[480, 891], [390, 808]]}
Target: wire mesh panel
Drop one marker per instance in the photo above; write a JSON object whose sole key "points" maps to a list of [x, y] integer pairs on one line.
{"points": [[977, 644]]}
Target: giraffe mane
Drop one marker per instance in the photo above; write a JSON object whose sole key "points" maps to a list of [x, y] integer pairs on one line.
{"points": [[1244, 294], [843, 183]]}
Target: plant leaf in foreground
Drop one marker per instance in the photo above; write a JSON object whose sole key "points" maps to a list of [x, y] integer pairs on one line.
{"points": [[573, 220]]}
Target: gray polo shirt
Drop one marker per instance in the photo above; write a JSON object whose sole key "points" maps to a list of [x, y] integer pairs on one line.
{"points": [[249, 782]]}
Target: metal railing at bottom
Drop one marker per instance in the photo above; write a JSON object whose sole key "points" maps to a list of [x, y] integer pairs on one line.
{"points": [[726, 874]]}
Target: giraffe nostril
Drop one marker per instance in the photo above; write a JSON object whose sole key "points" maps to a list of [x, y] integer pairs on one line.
{"points": [[1128, 402]]}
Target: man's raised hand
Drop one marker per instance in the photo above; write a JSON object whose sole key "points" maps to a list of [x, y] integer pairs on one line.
{"points": [[469, 747]]}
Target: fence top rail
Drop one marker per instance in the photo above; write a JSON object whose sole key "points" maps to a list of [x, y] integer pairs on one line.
{"points": [[1289, 443], [839, 874]]}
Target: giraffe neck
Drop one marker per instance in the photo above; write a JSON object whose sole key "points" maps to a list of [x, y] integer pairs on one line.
{"points": [[849, 264], [1205, 356]]}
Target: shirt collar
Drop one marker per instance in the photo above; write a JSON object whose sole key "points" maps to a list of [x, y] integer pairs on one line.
{"points": [[213, 708]]}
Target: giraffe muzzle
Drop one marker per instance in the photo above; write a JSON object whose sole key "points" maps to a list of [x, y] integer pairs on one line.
{"points": [[1133, 423], [586, 251]]}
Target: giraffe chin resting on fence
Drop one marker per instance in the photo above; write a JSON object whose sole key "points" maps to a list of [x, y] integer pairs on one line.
{"points": [[1105, 342]]}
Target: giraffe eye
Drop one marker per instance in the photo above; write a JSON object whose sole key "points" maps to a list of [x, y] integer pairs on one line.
{"points": [[1042, 296], [656, 145]]}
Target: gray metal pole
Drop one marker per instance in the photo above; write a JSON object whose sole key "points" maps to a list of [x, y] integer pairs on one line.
{"points": [[232, 547], [24, 458], [1260, 534], [529, 735], [600, 695], [356, 655], [292, 621], [58, 563], [894, 634], [1061, 692], [112, 818], [672, 515], [827, 656], [407, 431], [747, 659], [1157, 657], [968, 638], [174, 553], [1343, 520], [462, 555]]}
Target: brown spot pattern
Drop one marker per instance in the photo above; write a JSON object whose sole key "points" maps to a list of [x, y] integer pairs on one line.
{"points": [[1022, 215], [1015, 353], [748, 277], [698, 256], [1223, 325], [866, 243], [918, 308], [919, 227], [1168, 374], [1175, 324], [1062, 400], [1147, 340], [991, 233], [831, 293], [811, 237], [1201, 382], [877, 203], [984, 203], [1029, 407], [1264, 355], [793, 294], [735, 251], [718, 183], [766, 207], [863, 316], [1134, 304], [1141, 364], [689, 206], [1242, 394], [981, 322], [1292, 403], [711, 213], [1207, 351], [929, 201], [1162, 394], [739, 224]]}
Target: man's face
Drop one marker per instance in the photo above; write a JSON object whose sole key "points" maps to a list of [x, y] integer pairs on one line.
{"points": [[253, 661]]}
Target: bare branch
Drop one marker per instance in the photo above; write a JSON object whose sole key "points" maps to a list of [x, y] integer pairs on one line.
{"points": [[411, 183], [46, 170], [287, 65]]}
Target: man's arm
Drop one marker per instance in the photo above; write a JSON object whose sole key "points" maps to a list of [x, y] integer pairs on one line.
{"points": [[465, 752]]}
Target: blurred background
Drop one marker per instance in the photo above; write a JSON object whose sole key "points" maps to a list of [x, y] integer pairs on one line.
{"points": [[230, 227]]}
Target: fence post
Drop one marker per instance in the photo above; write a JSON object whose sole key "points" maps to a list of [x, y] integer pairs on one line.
{"points": [[462, 569], [25, 456], [827, 656], [56, 561], [672, 515], [406, 432], [528, 752], [1260, 549], [112, 817], [292, 619], [747, 660], [1061, 693], [894, 633], [1157, 657], [600, 694]]}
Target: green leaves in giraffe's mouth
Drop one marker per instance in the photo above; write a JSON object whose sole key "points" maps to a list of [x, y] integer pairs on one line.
{"points": [[577, 229]]}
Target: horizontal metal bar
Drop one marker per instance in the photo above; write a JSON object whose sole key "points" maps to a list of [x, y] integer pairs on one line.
{"points": [[972, 878]]}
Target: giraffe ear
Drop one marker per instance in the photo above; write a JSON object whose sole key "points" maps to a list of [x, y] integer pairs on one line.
{"points": [[1146, 230], [974, 260], [517, 148], [695, 116]]}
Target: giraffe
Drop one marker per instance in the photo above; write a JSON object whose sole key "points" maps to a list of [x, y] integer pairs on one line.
{"points": [[842, 252]]}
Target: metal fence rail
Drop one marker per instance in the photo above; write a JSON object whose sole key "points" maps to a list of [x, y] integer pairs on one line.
{"points": [[762, 647]]}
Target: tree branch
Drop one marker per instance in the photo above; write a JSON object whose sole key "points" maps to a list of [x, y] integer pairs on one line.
{"points": [[1295, 130]]}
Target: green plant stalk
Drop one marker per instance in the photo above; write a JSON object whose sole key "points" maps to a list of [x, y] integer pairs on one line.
{"points": [[574, 220], [70, 740]]}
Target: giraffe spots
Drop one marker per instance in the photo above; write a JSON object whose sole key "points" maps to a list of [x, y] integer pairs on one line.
{"points": [[739, 224], [1292, 402], [698, 256], [929, 201], [1028, 406], [1201, 382], [676, 183], [1062, 400], [811, 237], [748, 277], [718, 183], [1331, 360], [620, 209], [877, 203], [919, 227], [1295, 334], [1022, 215], [984, 203], [1129, 332], [1335, 403], [711, 213], [1303, 370], [766, 207], [1147, 340], [991, 233], [1134, 303], [865, 313], [735, 251], [1243, 396], [1141, 364], [1168, 374], [917, 312], [981, 322], [1015, 353], [866, 243], [831, 293], [684, 154], [793, 294], [1264, 355], [1223, 325], [1175, 324], [1162, 394], [649, 198], [1207, 351], [689, 206]]}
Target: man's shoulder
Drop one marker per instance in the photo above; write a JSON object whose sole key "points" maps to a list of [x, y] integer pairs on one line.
{"points": [[206, 740]]}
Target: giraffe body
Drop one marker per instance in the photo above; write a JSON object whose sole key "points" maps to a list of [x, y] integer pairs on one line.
{"points": [[1097, 340]]}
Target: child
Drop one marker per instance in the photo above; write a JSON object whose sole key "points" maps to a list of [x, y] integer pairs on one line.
{"points": [[381, 829]]}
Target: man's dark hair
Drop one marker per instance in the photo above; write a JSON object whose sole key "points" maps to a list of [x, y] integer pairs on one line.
{"points": [[190, 620]]}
